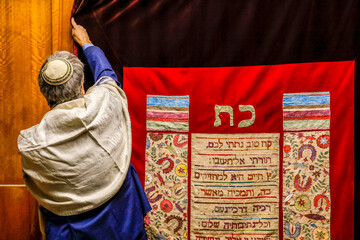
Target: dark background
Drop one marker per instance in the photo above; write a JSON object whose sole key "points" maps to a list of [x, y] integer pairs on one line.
{"points": [[214, 33]]}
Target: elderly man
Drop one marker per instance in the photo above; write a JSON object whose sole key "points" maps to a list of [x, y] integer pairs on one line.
{"points": [[76, 161]]}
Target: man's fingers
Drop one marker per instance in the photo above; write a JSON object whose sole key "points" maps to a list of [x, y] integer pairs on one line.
{"points": [[73, 23]]}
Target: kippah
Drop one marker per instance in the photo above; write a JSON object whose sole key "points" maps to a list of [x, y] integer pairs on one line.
{"points": [[57, 71]]}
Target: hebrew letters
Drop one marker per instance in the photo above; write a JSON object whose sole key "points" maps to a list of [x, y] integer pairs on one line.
{"points": [[247, 122], [223, 109], [228, 109]]}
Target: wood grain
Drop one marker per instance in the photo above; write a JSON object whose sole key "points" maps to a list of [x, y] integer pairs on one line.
{"points": [[29, 32], [61, 30], [26, 42], [19, 215]]}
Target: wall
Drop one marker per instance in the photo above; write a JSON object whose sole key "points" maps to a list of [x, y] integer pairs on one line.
{"points": [[29, 32]]}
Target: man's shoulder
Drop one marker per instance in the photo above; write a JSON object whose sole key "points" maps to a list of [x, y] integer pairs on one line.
{"points": [[105, 80], [106, 84]]}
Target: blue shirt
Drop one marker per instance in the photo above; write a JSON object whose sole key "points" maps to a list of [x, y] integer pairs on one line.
{"points": [[98, 63]]}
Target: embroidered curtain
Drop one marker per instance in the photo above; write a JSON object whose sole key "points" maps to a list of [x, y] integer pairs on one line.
{"points": [[239, 60]]}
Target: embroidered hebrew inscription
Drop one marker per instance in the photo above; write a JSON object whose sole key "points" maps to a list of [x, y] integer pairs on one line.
{"points": [[166, 185], [306, 203], [234, 186]]}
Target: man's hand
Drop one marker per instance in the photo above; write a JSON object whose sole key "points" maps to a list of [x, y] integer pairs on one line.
{"points": [[79, 33]]}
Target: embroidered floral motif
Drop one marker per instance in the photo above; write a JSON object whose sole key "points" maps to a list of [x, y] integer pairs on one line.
{"points": [[287, 148], [321, 234], [302, 203], [166, 185], [181, 170], [323, 141], [148, 178], [155, 136], [166, 206]]}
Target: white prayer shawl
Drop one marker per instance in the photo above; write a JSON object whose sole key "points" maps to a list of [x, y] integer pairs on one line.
{"points": [[78, 156]]}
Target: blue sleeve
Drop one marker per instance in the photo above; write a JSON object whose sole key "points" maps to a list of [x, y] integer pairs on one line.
{"points": [[86, 46], [98, 63]]}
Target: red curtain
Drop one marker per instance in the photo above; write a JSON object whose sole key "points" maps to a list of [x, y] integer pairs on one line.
{"points": [[196, 48], [263, 88]]}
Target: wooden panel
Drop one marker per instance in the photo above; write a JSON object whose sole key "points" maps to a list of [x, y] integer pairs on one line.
{"points": [[19, 215], [25, 43], [61, 29], [29, 33]]}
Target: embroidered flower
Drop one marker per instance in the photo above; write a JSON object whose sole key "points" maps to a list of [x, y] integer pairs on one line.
{"points": [[166, 206], [311, 167], [147, 221], [287, 148], [317, 174], [323, 141], [160, 145], [156, 136], [155, 206], [302, 203], [181, 170], [148, 178], [320, 233]]}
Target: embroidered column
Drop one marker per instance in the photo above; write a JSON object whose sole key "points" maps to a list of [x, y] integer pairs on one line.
{"points": [[306, 166], [166, 166]]}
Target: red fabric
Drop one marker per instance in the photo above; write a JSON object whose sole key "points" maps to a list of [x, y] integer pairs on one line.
{"points": [[167, 33], [262, 87]]}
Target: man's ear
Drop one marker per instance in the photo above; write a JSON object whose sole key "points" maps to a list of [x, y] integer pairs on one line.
{"points": [[82, 88]]}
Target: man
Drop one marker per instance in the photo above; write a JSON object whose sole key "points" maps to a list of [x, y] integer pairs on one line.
{"points": [[76, 161]]}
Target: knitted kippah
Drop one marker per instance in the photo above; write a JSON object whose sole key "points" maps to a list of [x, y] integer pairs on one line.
{"points": [[57, 71]]}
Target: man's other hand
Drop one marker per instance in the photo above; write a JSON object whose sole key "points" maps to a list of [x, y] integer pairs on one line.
{"points": [[79, 33]]}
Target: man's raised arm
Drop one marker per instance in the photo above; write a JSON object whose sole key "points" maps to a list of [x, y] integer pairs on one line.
{"points": [[95, 57]]}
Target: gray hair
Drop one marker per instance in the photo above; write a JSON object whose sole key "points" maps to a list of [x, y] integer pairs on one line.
{"points": [[56, 94]]}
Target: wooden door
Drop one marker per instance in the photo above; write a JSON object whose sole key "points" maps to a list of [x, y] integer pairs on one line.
{"points": [[29, 32]]}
